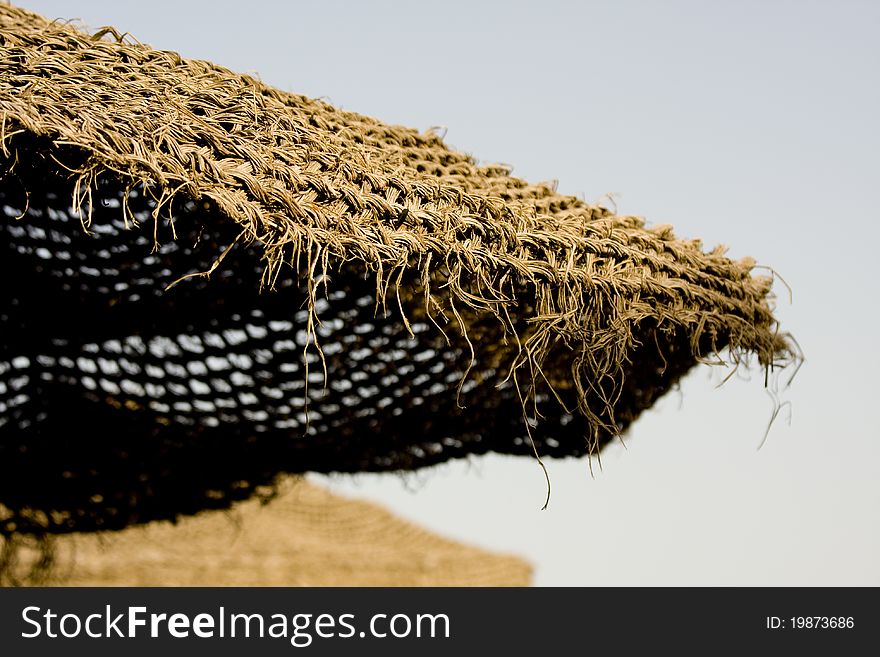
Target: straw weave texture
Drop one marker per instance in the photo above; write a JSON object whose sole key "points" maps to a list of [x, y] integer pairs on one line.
{"points": [[305, 537], [209, 282]]}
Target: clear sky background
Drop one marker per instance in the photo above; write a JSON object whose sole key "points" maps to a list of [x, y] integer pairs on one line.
{"points": [[750, 124]]}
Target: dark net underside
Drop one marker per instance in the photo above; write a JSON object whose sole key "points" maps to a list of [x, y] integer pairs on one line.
{"points": [[124, 402]]}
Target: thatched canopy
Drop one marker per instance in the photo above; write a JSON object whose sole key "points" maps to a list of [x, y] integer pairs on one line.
{"points": [[208, 282], [307, 536]]}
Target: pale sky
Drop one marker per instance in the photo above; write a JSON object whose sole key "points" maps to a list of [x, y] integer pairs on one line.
{"points": [[752, 124]]}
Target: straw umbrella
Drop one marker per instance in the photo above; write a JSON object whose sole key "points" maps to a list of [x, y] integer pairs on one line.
{"points": [[213, 282]]}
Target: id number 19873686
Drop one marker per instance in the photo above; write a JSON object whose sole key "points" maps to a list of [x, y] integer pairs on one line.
{"points": [[810, 623]]}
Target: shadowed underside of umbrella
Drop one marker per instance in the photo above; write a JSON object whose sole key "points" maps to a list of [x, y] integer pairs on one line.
{"points": [[209, 282]]}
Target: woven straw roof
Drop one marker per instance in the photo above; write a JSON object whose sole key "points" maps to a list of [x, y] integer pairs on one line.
{"points": [[399, 304], [307, 536]]}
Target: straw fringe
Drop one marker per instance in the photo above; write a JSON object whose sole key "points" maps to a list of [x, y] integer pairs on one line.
{"points": [[311, 185]]}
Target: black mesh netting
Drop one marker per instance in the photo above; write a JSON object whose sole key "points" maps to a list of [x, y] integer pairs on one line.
{"points": [[123, 402]]}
